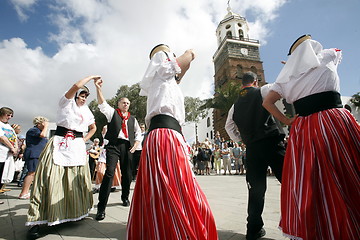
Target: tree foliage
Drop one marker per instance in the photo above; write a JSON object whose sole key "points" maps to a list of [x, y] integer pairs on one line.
{"points": [[193, 113], [224, 97], [355, 99], [137, 106]]}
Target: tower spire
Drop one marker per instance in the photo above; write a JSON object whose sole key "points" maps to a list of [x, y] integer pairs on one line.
{"points": [[229, 8]]}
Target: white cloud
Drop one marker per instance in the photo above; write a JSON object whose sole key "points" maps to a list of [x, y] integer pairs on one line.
{"points": [[113, 39], [22, 6]]}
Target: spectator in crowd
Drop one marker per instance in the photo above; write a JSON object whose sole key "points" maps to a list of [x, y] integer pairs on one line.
{"points": [[19, 157], [35, 143], [217, 139], [236, 154], [8, 147], [243, 157], [225, 154], [217, 159]]}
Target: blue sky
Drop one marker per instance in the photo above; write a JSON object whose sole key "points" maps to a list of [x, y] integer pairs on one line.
{"points": [[45, 46]]}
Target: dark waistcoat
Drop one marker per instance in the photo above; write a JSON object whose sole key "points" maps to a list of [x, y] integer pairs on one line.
{"points": [[252, 119], [114, 128]]}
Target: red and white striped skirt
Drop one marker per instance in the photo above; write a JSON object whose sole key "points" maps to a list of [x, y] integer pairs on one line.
{"points": [[320, 192], [168, 202]]}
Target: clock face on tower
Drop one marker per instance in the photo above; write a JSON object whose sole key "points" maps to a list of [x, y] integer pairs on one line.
{"points": [[244, 51]]}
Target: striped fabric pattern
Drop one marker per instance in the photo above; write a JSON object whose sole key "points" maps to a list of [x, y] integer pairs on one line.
{"points": [[320, 193], [59, 194], [168, 202]]}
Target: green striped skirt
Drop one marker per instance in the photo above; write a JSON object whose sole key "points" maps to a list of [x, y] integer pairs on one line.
{"points": [[59, 194]]}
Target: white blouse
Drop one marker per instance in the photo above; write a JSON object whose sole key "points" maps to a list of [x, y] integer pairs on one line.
{"points": [[318, 79], [70, 151], [163, 93], [71, 116]]}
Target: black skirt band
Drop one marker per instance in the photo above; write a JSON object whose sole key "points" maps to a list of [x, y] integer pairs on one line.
{"points": [[317, 102], [164, 121]]}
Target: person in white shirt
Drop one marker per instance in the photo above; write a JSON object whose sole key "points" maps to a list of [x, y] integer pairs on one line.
{"points": [[124, 136], [249, 122], [62, 190], [167, 202], [8, 147], [320, 190]]}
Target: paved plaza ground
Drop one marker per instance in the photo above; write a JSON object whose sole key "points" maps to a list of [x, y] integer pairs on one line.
{"points": [[227, 196]]}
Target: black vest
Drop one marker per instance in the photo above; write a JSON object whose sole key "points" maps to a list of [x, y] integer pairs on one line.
{"points": [[114, 128], [252, 119]]}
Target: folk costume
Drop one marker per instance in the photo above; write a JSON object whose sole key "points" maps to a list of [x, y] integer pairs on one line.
{"points": [[62, 185], [320, 190], [167, 202], [122, 132], [263, 136]]}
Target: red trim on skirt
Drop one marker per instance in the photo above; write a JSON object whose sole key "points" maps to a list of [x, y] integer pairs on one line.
{"points": [[320, 193], [168, 202]]}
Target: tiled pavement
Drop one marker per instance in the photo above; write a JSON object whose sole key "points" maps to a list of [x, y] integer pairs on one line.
{"points": [[227, 196]]}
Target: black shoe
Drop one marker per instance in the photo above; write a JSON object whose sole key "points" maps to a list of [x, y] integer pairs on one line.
{"points": [[19, 184], [126, 203], [113, 189], [258, 235], [100, 215], [95, 190], [33, 232]]}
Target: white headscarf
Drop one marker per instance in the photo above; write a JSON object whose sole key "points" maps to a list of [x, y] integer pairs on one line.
{"points": [[304, 58], [159, 62]]}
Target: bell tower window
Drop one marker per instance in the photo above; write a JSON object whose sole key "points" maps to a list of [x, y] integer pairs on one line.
{"points": [[241, 33], [239, 71], [253, 69]]}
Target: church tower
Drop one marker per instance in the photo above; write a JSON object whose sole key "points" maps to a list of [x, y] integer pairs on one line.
{"points": [[237, 53]]}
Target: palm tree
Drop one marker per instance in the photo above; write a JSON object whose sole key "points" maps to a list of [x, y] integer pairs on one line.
{"points": [[355, 99], [224, 97]]}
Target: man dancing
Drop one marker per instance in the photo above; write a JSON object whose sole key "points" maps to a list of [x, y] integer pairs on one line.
{"points": [[124, 135]]}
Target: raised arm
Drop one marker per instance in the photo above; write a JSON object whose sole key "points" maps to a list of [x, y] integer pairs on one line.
{"points": [[98, 84], [43, 132], [269, 104], [72, 91], [184, 62]]}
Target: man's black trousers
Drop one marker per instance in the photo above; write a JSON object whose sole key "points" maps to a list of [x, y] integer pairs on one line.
{"points": [[114, 153], [260, 155]]}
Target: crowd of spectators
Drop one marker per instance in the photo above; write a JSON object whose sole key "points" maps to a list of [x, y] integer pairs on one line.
{"points": [[218, 157]]}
